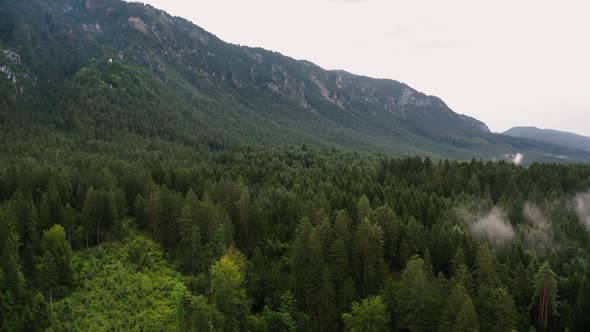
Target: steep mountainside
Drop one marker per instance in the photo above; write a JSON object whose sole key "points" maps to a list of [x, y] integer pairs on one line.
{"points": [[552, 136], [102, 66]]}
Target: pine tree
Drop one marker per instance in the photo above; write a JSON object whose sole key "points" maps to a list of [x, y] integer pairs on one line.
{"points": [[245, 231], [545, 295], [203, 315], [386, 218], [466, 319], [369, 255], [363, 207], [459, 312], [461, 273], [327, 311], [189, 247], [415, 303], [302, 261], [522, 288], [504, 311], [339, 263], [414, 240]]}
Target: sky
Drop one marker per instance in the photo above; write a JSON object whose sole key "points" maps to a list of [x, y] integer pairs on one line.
{"points": [[505, 62]]}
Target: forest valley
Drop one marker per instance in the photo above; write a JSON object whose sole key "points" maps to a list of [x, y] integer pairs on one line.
{"points": [[145, 235], [156, 178]]}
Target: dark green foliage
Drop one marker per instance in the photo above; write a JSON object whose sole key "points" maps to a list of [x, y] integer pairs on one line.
{"points": [[459, 312], [328, 259], [153, 163], [369, 257], [55, 270], [107, 66], [416, 303]]}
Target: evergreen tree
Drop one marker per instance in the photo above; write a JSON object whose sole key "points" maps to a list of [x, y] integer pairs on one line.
{"points": [[504, 311], [415, 303], [386, 218], [363, 207], [545, 295], [202, 314], [459, 312], [12, 284], [466, 319], [369, 255], [245, 229], [189, 247], [414, 240]]}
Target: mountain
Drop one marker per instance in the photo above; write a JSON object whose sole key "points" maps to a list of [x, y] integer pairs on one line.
{"points": [[101, 67], [552, 136]]}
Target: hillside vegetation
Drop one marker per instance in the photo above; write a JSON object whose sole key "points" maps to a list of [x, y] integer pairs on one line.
{"points": [[106, 66], [122, 286], [187, 185], [552, 136], [286, 239]]}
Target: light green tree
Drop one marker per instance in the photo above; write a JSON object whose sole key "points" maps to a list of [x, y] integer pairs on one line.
{"points": [[55, 268], [228, 294], [370, 315]]}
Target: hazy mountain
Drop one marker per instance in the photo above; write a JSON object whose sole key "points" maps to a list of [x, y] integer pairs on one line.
{"points": [[552, 136], [105, 66]]}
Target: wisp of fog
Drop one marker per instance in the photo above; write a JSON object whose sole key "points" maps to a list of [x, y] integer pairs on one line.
{"points": [[538, 232], [493, 226], [518, 158], [582, 204]]}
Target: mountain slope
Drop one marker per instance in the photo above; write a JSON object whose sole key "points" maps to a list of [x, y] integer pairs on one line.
{"points": [[99, 66], [552, 136]]}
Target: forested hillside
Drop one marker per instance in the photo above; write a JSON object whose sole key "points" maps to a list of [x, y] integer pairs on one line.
{"points": [[552, 136], [155, 178], [100, 66], [291, 239]]}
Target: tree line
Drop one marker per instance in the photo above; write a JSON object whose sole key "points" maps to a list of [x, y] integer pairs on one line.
{"points": [[297, 239]]}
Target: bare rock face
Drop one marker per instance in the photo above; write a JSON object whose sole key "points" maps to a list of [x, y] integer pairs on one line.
{"points": [[139, 24], [94, 28], [13, 57], [6, 70], [93, 4], [323, 89]]}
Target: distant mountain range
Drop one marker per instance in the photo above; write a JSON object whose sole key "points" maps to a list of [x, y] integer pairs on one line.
{"points": [[105, 66], [552, 136]]}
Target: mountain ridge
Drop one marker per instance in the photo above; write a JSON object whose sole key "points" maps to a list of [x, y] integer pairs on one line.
{"points": [[559, 137], [134, 63]]}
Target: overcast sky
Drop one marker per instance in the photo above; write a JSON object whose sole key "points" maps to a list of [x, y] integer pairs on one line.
{"points": [[506, 62]]}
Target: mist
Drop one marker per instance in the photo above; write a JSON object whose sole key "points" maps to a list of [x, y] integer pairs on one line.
{"points": [[537, 231], [518, 158], [493, 226], [582, 204]]}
